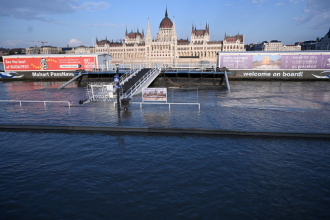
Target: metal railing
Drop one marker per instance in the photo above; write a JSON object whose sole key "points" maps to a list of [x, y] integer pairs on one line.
{"points": [[167, 103], [29, 101], [177, 66], [190, 67], [125, 77]]}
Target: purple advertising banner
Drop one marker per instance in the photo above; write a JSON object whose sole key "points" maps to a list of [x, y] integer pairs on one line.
{"points": [[237, 61], [305, 62], [325, 64], [269, 61], [301, 61]]}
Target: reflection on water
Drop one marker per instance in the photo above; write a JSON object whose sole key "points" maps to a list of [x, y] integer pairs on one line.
{"points": [[36, 91], [158, 117], [282, 96], [262, 106]]}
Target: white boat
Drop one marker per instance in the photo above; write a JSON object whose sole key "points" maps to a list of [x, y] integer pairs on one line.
{"points": [[9, 75]]}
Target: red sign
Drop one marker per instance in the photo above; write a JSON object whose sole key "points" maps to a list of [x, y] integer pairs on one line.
{"points": [[49, 63]]}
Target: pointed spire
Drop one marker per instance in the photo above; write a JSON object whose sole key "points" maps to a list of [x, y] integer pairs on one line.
{"points": [[126, 31], [166, 15], [173, 30], [97, 40], [137, 29], [206, 26], [195, 27], [148, 37]]}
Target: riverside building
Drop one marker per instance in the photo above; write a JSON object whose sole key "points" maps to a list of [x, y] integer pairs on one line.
{"points": [[139, 47], [324, 42], [274, 45]]}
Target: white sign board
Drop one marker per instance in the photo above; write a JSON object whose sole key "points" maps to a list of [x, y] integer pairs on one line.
{"points": [[154, 94], [109, 87]]}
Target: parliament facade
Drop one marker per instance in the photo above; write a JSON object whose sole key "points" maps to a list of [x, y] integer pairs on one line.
{"points": [[139, 47]]}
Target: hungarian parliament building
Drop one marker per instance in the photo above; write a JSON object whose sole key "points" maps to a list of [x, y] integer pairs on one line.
{"points": [[139, 47]]}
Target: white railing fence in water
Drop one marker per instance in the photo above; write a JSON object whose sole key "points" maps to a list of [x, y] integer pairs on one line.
{"points": [[29, 101]]}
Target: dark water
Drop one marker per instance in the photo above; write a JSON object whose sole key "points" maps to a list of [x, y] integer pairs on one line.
{"points": [[45, 175]]}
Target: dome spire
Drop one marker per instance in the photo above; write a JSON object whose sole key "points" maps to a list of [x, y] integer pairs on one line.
{"points": [[166, 15]]}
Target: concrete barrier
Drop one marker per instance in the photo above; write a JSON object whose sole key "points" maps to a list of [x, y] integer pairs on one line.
{"points": [[157, 130]]}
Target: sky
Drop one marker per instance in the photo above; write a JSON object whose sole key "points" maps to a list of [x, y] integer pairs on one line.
{"points": [[25, 23]]}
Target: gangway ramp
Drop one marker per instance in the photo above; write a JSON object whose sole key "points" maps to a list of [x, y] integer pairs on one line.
{"points": [[142, 80], [134, 79], [70, 81]]}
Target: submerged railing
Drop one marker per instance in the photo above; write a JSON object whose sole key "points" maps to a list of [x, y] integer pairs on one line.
{"points": [[20, 102]]}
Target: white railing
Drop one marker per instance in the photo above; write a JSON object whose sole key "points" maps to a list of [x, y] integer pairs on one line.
{"points": [[97, 67], [190, 66], [125, 66], [20, 102], [177, 66], [168, 103], [98, 92], [125, 77]]}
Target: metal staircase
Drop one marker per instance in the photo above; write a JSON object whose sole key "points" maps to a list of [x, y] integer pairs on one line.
{"points": [[127, 76], [142, 83], [70, 81]]}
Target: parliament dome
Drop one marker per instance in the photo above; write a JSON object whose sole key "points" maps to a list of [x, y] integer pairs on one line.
{"points": [[166, 22]]}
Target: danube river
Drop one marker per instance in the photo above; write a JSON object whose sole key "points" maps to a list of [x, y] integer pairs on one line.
{"points": [[72, 175]]}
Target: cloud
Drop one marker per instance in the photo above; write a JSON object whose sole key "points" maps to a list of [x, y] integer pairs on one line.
{"points": [[258, 1], [105, 25], [41, 10], [228, 5], [91, 6], [316, 13], [74, 42], [279, 4]]}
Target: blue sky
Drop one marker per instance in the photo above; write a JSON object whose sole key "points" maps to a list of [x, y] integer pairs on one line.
{"points": [[76, 22]]}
